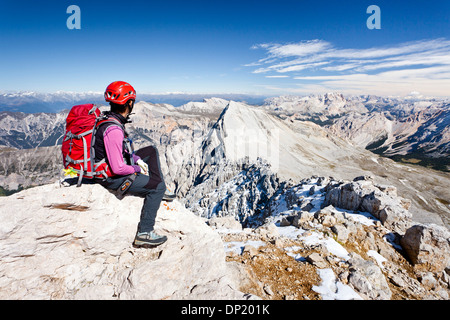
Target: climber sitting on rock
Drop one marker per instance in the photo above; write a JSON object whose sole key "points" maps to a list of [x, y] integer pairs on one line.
{"points": [[137, 173]]}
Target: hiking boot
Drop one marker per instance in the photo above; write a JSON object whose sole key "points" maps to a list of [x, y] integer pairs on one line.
{"points": [[169, 196], [148, 239]]}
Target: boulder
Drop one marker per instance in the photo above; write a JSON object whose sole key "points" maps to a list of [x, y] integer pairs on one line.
{"points": [[368, 279], [268, 230], [382, 202], [341, 231], [329, 216], [226, 222], [303, 219], [427, 247], [317, 260]]}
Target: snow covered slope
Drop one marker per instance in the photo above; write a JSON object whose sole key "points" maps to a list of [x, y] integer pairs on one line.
{"points": [[208, 106], [292, 149]]}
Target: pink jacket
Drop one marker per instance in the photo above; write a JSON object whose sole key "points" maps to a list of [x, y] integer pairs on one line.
{"points": [[113, 138]]}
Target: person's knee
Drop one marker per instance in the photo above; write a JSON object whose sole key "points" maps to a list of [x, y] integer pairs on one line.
{"points": [[161, 187], [156, 194], [147, 153]]}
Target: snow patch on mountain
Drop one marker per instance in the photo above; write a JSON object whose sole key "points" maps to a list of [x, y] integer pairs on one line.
{"points": [[207, 106]]}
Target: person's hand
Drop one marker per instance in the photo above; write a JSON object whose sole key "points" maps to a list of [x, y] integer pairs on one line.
{"points": [[143, 165]]}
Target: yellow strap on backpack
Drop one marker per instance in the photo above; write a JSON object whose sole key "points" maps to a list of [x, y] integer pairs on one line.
{"points": [[70, 172]]}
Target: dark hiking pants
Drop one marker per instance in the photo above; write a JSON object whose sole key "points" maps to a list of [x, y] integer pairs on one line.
{"points": [[151, 187]]}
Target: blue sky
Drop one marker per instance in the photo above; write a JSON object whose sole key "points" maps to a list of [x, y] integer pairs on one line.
{"points": [[250, 47]]}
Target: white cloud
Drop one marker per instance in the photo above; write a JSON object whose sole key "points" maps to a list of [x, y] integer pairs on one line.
{"points": [[430, 81], [301, 49], [299, 67], [277, 76], [422, 66]]}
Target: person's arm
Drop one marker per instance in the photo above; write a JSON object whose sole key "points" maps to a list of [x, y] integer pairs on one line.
{"points": [[135, 158], [113, 138]]}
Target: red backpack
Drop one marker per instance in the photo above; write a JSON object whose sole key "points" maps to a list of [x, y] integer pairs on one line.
{"points": [[77, 147]]}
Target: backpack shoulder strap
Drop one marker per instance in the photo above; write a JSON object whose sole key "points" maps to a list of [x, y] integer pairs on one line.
{"points": [[104, 118]]}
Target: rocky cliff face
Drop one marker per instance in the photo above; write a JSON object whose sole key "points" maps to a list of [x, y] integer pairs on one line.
{"points": [[24, 131], [409, 129], [425, 132]]}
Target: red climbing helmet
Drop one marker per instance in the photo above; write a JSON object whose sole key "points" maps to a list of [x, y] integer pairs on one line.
{"points": [[120, 92]]}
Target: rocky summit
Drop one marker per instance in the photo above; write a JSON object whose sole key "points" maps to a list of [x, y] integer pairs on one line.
{"points": [[75, 243]]}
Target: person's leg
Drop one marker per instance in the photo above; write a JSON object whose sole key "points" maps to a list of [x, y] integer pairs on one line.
{"points": [[156, 187], [152, 188], [152, 200], [150, 155], [145, 236]]}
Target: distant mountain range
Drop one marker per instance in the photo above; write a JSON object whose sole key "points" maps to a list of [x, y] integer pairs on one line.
{"points": [[35, 102], [411, 129]]}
